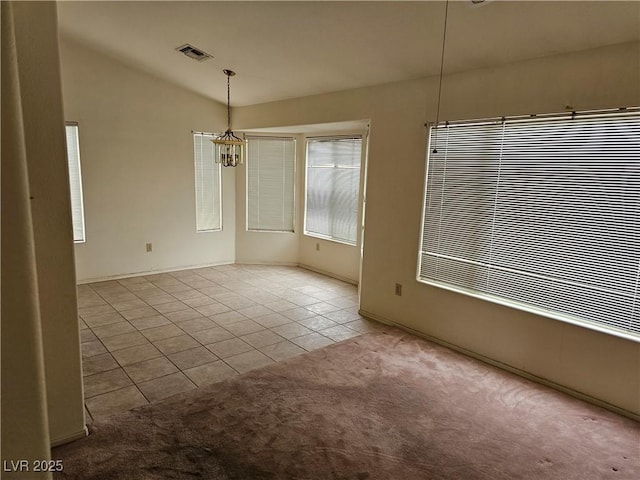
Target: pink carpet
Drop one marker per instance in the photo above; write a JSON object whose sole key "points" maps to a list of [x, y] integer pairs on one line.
{"points": [[380, 406]]}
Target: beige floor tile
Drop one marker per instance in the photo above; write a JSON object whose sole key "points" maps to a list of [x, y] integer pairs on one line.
{"points": [[197, 324], [183, 315], [255, 311], [238, 303], [199, 301], [321, 308], [98, 310], [150, 292], [128, 305], [113, 329], [169, 307], [139, 313], [185, 294], [317, 323], [87, 335], [244, 327], [339, 333], [228, 348], [312, 341], [116, 401], [181, 287], [136, 354], [98, 364], [159, 333], [365, 325], [342, 316], [213, 309], [273, 320], [119, 342], [192, 358], [160, 299], [227, 318], [149, 369], [262, 338], [210, 373], [280, 305], [282, 351], [167, 386], [291, 330], [150, 322], [102, 319], [299, 313], [90, 349], [176, 344], [212, 335], [245, 362], [104, 382]]}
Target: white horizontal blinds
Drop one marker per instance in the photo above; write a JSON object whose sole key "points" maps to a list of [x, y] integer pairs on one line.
{"points": [[208, 184], [540, 212], [333, 185], [270, 183], [75, 183]]}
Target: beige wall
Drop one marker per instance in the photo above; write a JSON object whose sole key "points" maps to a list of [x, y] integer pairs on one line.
{"points": [[49, 310], [595, 364], [136, 152]]}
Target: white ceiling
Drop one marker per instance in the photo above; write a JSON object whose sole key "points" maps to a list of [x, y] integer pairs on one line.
{"points": [[297, 48]]}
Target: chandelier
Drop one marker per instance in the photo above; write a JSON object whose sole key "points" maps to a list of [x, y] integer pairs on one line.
{"points": [[228, 147]]}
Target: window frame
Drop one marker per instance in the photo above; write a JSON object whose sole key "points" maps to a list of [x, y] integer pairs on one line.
{"points": [[209, 136], [294, 181], [79, 186], [363, 137], [497, 299]]}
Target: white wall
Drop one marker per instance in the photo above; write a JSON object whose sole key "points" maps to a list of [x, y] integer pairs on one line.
{"points": [[136, 152], [598, 365]]}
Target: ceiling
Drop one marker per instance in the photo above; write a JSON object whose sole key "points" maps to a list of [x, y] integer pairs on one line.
{"points": [[297, 48]]}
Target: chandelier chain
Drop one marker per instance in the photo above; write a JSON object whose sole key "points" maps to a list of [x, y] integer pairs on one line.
{"points": [[444, 39]]}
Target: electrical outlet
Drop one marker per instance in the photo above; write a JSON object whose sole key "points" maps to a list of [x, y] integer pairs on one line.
{"points": [[399, 289], [149, 247], [317, 247]]}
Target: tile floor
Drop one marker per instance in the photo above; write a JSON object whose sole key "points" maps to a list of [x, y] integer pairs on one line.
{"points": [[147, 338]]}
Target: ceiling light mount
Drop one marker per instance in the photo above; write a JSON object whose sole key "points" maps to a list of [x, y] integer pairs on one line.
{"points": [[229, 148]]}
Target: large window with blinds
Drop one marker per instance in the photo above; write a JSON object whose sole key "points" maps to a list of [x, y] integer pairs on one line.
{"points": [[542, 214], [75, 182], [333, 187], [270, 183], [208, 184]]}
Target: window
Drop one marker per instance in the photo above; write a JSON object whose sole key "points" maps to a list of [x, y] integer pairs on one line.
{"points": [[208, 184], [540, 214], [270, 183], [75, 182], [333, 185]]}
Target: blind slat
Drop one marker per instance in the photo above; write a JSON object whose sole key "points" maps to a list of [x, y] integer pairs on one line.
{"points": [[543, 213], [270, 183], [208, 185], [75, 183], [333, 186]]}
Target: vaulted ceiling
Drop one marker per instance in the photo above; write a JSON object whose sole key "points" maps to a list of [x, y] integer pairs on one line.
{"points": [[297, 48]]}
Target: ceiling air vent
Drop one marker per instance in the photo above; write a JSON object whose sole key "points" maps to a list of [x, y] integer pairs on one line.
{"points": [[193, 52]]}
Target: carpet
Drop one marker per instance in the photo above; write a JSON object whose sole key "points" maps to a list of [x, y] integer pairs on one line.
{"points": [[385, 405]]}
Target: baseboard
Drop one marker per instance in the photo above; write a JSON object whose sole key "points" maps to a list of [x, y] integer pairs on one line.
{"points": [[275, 264], [56, 442], [328, 274], [152, 272], [522, 373]]}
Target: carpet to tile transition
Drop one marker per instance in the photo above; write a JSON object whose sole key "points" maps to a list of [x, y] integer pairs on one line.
{"points": [[379, 406]]}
